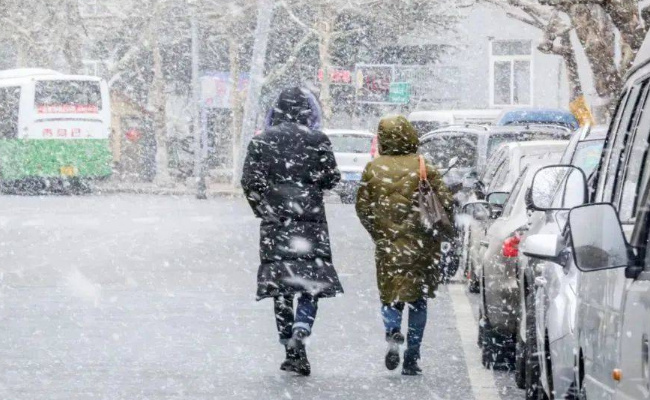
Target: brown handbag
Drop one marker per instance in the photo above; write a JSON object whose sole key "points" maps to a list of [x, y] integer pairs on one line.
{"points": [[432, 214]]}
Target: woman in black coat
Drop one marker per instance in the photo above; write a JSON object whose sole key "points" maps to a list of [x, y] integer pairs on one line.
{"points": [[286, 171]]}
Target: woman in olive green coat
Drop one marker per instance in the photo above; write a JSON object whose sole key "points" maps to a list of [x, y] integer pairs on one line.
{"points": [[407, 257]]}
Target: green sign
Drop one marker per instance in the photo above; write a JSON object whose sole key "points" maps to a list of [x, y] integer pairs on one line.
{"points": [[400, 92]]}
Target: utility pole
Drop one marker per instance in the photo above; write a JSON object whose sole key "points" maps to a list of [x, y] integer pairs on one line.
{"points": [[251, 107], [199, 169]]}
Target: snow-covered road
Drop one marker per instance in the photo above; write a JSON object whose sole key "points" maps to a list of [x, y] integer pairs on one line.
{"points": [[136, 297]]}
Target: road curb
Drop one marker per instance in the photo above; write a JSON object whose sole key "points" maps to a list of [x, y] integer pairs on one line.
{"points": [[230, 193]]}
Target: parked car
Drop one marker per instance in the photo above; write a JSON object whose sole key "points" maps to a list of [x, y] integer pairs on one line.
{"points": [[427, 121], [546, 290], [470, 146], [501, 173], [497, 271], [352, 150], [612, 322], [525, 116]]}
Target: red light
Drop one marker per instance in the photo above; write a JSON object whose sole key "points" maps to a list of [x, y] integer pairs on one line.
{"points": [[374, 148], [510, 247]]}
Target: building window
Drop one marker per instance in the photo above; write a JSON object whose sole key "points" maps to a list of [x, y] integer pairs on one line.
{"points": [[511, 77], [92, 8], [93, 67]]}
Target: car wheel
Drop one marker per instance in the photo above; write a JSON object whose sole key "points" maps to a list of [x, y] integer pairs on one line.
{"points": [[498, 350], [472, 281], [533, 386], [521, 355], [576, 390]]}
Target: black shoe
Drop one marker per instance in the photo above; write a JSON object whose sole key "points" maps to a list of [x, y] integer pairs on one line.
{"points": [[299, 364], [297, 354], [394, 339], [292, 356], [410, 367]]}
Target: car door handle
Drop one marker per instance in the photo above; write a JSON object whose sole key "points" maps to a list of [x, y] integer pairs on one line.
{"points": [[540, 282], [485, 243]]}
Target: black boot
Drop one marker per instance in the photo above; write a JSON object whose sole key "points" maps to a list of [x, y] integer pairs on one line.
{"points": [[394, 339], [297, 354], [292, 356], [302, 363], [410, 366]]}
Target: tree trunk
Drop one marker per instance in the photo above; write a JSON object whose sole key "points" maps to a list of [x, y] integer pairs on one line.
{"points": [[325, 26], [236, 109], [158, 102], [72, 40], [626, 17], [596, 33]]}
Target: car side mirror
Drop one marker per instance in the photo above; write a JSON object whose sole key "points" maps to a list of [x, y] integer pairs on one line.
{"points": [[558, 187], [497, 198], [547, 247], [470, 180], [497, 211], [479, 211], [597, 238]]}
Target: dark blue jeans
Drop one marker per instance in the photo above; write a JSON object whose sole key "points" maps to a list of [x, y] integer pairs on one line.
{"points": [[392, 314], [304, 318]]}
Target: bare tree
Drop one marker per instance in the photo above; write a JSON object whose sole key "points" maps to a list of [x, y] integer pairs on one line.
{"points": [[380, 22], [594, 23], [44, 34]]}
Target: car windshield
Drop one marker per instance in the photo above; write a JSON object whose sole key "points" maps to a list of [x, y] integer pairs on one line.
{"points": [[514, 195], [441, 149], [359, 144], [587, 155], [542, 117], [424, 127]]}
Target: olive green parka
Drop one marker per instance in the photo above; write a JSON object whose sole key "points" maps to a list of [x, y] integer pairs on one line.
{"points": [[406, 256]]}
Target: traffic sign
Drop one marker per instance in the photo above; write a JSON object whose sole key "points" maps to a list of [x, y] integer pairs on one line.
{"points": [[400, 92]]}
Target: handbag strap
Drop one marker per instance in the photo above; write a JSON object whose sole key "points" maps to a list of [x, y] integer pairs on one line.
{"points": [[423, 169]]}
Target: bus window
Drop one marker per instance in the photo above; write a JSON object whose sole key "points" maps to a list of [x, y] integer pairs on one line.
{"points": [[68, 97], [9, 110]]}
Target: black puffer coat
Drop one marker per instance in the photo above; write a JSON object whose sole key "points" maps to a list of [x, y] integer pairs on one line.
{"points": [[286, 170]]}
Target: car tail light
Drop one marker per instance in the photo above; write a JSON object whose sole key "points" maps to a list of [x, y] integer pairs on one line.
{"points": [[374, 148], [510, 247]]}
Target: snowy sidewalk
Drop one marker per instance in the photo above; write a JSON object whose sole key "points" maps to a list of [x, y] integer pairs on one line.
{"points": [[213, 189]]}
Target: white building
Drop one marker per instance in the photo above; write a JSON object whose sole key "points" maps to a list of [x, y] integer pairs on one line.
{"points": [[497, 65]]}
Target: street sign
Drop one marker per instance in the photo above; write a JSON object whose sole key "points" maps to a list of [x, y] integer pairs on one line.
{"points": [[373, 83], [400, 93]]}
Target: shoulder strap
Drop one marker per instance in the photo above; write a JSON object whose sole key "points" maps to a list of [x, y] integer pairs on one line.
{"points": [[423, 169]]}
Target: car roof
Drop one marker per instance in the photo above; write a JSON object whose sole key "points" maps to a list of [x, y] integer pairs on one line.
{"points": [[435, 115], [533, 145], [528, 128], [496, 130], [347, 132]]}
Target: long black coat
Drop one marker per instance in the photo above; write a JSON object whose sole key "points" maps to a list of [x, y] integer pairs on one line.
{"points": [[286, 170]]}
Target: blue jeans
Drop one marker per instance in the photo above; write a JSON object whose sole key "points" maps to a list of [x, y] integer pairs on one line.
{"points": [[392, 315], [304, 318]]}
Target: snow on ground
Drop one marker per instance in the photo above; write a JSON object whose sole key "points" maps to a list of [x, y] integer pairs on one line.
{"points": [[136, 297]]}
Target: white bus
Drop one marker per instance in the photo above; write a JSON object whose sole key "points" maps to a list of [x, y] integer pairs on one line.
{"points": [[53, 126]]}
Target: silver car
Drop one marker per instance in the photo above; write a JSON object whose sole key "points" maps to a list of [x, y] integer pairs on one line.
{"points": [[498, 271], [547, 290], [500, 175], [612, 323]]}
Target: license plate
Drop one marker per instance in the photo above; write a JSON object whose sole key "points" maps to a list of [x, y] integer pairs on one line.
{"points": [[68, 171], [352, 176]]}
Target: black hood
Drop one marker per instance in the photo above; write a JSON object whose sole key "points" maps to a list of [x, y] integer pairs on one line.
{"points": [[293, 106]]}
